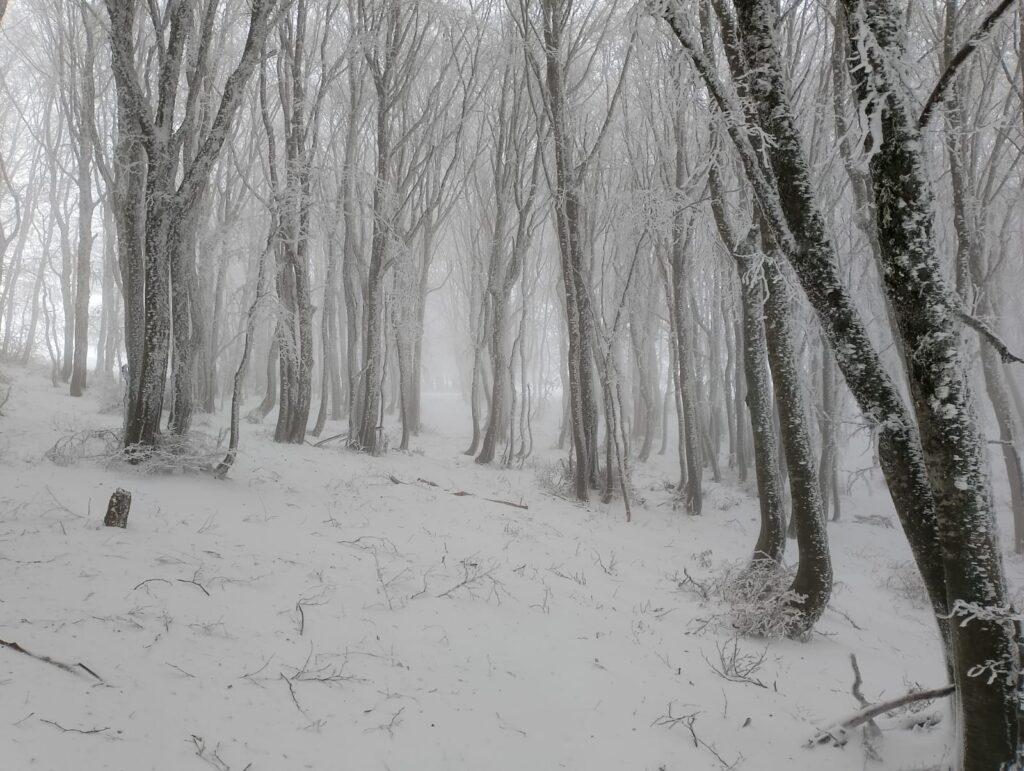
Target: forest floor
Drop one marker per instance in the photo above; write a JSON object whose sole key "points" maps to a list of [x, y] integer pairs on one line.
{"points": [[320, 609]]}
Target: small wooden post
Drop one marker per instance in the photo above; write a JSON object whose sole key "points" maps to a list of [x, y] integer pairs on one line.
{"points": [[117, 509]]}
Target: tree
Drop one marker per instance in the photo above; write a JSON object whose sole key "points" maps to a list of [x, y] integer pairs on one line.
{"points": [[170, 204], [954, 452]]}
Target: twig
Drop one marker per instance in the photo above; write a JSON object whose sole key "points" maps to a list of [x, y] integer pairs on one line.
{"points": [[302, 617], [194, 582], [148, 580], [175, 666], [213, 758], [322, 442], [83, 666], [60, 505], [291, 689], [671, 721], [507, 503], [250, 675], [390, 725], [844, 615], [468, 579], [46, 659], [74, 730]]}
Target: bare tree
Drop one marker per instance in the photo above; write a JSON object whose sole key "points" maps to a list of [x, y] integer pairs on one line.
{"points": [[170, 204]]}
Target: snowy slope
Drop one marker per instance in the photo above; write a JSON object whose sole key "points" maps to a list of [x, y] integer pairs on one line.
{"points": [[311, 613]]}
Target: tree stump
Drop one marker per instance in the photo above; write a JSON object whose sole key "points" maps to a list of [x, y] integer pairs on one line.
{"points": [[117, 509]]}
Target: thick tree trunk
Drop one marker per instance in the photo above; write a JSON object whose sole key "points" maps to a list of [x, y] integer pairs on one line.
{"points": [[954, 450], [787, 201], [369, 437]]}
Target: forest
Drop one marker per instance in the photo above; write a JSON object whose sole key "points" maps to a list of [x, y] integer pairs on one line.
{"points": [[688, 328]]}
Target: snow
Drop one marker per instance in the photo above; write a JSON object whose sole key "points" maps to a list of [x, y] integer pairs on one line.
{"points": [[310, 613]]}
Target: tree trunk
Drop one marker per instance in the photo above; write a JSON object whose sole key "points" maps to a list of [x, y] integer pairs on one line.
{"points": [[813, 581], [954, 450]]}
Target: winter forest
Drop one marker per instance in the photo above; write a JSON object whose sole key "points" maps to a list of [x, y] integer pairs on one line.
{"points": [[502, 384]]}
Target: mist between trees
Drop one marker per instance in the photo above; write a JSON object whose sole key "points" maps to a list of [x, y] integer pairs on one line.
{"points": [[727, 230]]}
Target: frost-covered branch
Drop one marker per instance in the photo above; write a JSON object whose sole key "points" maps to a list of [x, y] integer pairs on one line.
{"points": [[939, 92], [837, 732], [989, 334]]}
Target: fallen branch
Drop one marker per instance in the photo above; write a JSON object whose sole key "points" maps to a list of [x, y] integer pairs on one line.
{"points": [[507, 503], [837, 732], [47, 660], [322, 442], [853, 623], [193, 581], [148, 580], [74, 730]]}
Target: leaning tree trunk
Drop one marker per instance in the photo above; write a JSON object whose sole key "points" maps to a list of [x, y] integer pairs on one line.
{"points": [[786, 200], [954, 450]]}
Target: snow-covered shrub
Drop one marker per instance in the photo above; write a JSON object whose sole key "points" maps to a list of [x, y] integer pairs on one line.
{"points": [[756, 596], [196, 452], [92, 444], [759, 599], [905, 580], [556, 478]]}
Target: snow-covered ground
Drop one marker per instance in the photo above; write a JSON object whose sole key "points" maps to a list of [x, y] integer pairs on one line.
{"points": [[321, 609]]}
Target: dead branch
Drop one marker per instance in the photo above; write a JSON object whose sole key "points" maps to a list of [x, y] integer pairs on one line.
{"points": [[194, 582], [47, 660], [507, 503], [853, 623], [671, 721], [735, 666], [838, 731], [74, 730], [210, 757], [291, 689], [322, 442], [458, 493], [148, 580], [390, 725]]}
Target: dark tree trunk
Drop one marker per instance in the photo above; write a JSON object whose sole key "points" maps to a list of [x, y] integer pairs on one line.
{"points": [[954, 450], [813, 581]]}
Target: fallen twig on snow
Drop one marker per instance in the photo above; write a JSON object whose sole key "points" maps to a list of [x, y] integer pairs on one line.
{"points": [[322, 442], [837, 732], [46, 659], [458, 493], [74, 730], [671, 721]]}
